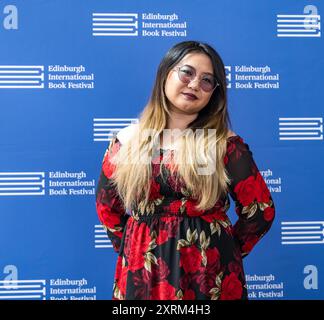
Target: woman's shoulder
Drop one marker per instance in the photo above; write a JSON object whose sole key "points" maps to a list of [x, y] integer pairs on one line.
{"points": [[232, 137], [231, 133], [236, 149], [236, 144], [235, 140]]}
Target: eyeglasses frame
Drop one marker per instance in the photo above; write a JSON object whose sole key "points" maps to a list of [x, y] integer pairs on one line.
{"points": [[178, 69]]}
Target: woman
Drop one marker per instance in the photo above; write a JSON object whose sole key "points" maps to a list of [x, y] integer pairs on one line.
{"points": [[166, 217]]}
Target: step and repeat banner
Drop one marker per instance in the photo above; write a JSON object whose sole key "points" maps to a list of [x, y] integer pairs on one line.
{"points": [[72, 73]]}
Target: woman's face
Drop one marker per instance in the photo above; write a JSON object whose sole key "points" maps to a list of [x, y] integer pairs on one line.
{"points": [[178, 92]]}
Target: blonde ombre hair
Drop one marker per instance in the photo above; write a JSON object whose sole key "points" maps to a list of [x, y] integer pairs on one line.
{"points": [[132, 176]]}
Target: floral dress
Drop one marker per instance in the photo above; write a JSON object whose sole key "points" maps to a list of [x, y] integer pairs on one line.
{"points": [[171, 251]]}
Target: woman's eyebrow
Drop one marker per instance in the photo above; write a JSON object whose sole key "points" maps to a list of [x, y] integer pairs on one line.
{"points": [[188, 65]]}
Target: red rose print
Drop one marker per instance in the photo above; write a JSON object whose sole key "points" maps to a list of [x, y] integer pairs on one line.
{"points": [[175, 206], [245, 191], [162, 237], [231, 148], [190, 258], [236, 268], [235, 148], [118, 267], [231, 288], [170, 224], [143, 277], [163, 291], [189, 295], [136, 260], [208, 217], [108, 167], [155, 190], [103, 212], [140, 241], [250, 243], [226, 160], [172, 263], [212, 257], [122, 282], [107, 217], [207, 283], [218, 215], [160, 271], [191, 210], [170, 219], [269, 214], [128, 235], [186, 281], [262, 191], [206, 276]]}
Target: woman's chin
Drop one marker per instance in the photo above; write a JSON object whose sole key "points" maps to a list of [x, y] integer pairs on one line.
{"points": [[186, 106]]}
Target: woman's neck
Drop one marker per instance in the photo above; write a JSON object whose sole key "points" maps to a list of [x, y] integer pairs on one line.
{"points": [[180, 121]]}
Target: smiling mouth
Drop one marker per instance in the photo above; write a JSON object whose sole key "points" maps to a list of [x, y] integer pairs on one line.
{"points": [[190, 96]]}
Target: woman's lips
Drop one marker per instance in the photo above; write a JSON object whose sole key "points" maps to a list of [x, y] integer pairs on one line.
{"points": [[189, 96]]}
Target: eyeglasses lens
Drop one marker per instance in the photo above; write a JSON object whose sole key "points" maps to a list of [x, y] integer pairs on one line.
{"points": [[187, 74]]}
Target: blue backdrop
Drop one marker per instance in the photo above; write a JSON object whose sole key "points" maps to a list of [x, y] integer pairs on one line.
{"points": [[63, 92]]}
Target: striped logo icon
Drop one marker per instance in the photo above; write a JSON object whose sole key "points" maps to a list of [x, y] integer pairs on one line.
{"points": [[105, 128], [300, 128], [302, 232], [22, 289], [298, 25], [228, 76], [21, 77], [22, 183], [101, 237], [114, 24]]}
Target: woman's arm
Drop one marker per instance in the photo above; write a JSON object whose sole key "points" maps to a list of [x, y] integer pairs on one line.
{"points": [[253, 202], [109, 206]]}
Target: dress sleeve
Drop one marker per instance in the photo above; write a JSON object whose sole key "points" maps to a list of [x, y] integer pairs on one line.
{"points": [[110, 210], [253, 202]]}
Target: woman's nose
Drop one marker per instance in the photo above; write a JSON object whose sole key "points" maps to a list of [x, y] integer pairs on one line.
{"points": [[194, 84]]}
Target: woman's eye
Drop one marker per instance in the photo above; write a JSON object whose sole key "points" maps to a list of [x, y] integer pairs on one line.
{"points": [[207, 80], [186, 71]]}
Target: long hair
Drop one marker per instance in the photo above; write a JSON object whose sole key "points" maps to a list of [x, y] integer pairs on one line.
{"points": [[133, 178]]}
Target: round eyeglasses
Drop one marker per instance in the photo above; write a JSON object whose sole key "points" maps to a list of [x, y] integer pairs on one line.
{"points": [[187, 74]]}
